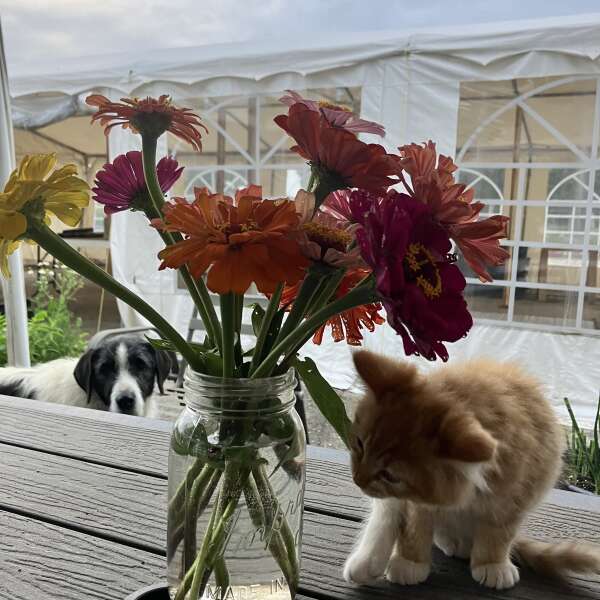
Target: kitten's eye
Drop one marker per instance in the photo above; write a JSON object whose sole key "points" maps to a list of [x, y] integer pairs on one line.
{"points": [[388, 476], [359, 444]]}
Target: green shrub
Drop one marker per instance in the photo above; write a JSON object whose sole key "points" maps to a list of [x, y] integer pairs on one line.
{"points": [[53, 331], [583, 454]]}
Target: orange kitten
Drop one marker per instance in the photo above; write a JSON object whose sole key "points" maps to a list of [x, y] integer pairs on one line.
{"points": [[457, 457]]}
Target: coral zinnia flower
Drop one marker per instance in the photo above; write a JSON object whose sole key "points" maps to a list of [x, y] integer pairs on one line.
{"points": [[324, 237], [120, 185], [420, 287], [249, 240], [149, 117], [348, 324], [35, 191], [336, 116], [338, 156], [452, 206]]}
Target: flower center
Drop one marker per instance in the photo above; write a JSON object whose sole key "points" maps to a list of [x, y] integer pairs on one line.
{"points": [[330, 105], [232, 228], [421, 267], [327, 237]]}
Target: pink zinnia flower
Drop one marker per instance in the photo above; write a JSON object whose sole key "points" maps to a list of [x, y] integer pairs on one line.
{"points": [[336, 116], [325, 237], [120, 185], [337, 155], [432, 182], [419, 286]]}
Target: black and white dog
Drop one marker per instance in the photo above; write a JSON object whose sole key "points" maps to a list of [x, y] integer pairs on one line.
{"points": [[116, 375]]}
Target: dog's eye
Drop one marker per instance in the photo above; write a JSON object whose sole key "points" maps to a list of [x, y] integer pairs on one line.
{"points": [[139, 363]]}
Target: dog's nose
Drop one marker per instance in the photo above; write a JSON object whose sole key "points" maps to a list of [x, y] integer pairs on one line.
{"points": [[125, 403]]}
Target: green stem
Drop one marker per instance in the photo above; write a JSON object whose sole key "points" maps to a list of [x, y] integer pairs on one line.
{"points": [[197, 288], [265, 327], [238, 310], [228, 325], [256, 508], [191, 515], [57, 247], [305, 295], [221, 576], [357, 297], [326, 291]]}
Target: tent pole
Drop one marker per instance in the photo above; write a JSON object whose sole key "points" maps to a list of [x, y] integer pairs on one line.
{"points": [[13, 289]]}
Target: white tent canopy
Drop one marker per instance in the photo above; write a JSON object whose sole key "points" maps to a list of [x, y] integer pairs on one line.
{"points": [[408, 80]]}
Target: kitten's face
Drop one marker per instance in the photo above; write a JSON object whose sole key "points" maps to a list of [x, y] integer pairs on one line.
{"points": [[408, 444]]}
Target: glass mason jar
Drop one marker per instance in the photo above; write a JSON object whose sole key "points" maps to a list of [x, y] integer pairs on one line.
{"points": [[236, 490]]}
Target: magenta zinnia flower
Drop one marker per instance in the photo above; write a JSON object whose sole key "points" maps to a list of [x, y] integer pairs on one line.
{"points": [[420, 287], [120, 185]]}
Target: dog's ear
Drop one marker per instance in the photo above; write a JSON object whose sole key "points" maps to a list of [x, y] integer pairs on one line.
{"points": [[84, 374], [164, 363]]}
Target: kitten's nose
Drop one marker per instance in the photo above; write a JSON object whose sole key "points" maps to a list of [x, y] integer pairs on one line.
{"points": [[361, 478], [125, 403]]}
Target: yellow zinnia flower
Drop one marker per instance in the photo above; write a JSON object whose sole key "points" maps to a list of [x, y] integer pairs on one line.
{"points": [[33, 193]]}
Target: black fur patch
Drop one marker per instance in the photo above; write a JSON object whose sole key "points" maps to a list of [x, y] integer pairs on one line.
{"points": [[15, 389]]}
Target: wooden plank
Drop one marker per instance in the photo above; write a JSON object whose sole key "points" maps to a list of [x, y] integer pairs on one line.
{"points": [[129, 507], [327, 541], [142, 445], [46, 561], [121, 441], [41, 561], [87, 497], [111, 503]]}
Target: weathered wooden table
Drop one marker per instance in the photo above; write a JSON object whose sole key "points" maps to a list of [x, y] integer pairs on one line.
{"points": [[82, 515]]}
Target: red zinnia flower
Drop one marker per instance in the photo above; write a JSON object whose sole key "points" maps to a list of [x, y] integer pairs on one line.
{"points": [[150, 117], [420, 287], [120, 185], [338, 156], [452, 206], [249, 240], [348, 324], [336, 116]]}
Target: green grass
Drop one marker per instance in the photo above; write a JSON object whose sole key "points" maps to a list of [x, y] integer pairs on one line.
{"points": [[54, 332], [583, 454]]}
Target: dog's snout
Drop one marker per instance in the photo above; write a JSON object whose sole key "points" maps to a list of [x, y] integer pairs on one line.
{"points": [[125, 403]]}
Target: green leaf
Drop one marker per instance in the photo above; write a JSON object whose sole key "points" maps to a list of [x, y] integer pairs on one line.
{"points": [[325, 397], [258, 315]]}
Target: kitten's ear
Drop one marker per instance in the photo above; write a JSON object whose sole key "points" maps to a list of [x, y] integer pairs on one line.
{"points": [[382, 374], [462, 438]]}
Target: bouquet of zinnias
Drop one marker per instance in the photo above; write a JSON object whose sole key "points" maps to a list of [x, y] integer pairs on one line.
{"points": [[372, 232]]}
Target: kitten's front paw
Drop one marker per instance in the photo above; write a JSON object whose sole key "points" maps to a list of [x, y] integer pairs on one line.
{"points": [[496, 575], [450, 546], [406, 572], [363, 567]]}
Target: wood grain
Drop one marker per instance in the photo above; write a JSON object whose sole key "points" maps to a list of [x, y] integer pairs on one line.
{"points": [[328, 540], [41, 561], [142, 445]]}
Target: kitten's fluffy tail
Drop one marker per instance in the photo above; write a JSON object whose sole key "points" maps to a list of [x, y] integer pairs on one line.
{"points": [[558, 559]]}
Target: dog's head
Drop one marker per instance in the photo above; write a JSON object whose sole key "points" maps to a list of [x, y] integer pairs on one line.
{"points": [[122, 371]]}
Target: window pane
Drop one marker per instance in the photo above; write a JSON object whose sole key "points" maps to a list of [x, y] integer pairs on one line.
{"points": [[545, 265], [487, 301], [545, 307], [591, 311]]}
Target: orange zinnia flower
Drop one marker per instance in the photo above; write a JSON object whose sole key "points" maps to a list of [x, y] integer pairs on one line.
{"points": [[149, 117], [348, 324], [242, 241]]}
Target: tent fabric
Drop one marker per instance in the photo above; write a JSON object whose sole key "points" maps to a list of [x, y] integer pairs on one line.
{"points": [[410, 82], [274, 65]]}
